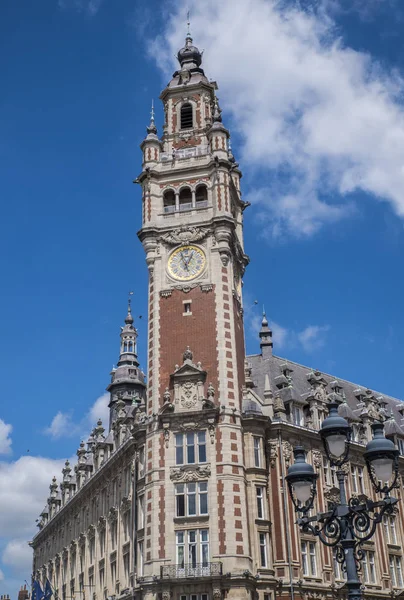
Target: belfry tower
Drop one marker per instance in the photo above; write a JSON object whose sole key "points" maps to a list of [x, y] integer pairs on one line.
{"points": [[192, 234]]}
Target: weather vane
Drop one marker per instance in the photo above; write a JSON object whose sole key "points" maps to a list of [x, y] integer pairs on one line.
{"points": [[129, 300], [188, 25]]}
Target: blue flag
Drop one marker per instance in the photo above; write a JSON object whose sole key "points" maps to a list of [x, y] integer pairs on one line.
{"points": [[48, 590], [37, 593]]}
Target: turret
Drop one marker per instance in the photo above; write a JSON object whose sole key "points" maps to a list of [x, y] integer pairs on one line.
{"points": [[151, 145], [127, 379], [265, 335]]}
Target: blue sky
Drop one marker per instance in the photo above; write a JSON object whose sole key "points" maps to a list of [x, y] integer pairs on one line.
{"points": [[313, 96]]}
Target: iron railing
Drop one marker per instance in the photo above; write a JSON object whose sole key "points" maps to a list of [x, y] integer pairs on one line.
{"points": [[191, 571]]}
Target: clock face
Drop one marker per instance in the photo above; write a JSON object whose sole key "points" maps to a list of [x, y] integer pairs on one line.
{"points": [[186, 262]]}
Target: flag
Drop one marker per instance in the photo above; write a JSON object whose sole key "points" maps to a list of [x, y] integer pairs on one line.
{"points": [[47, 590], [37, 593]]}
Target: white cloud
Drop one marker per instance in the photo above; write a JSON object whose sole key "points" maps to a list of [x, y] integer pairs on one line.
{"points": [[280, 335], [24, 488], [99, 410], [312, 337], [5, 440], [18, 555], [63, 425], [317, 119]]}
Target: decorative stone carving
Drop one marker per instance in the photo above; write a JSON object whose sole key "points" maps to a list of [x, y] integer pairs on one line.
{"points": [[91, 531], [211, 429], [207, 287], [189, 474], [113, 514], [217, 593], [126, 503], [102, 521], [317, 459], [166, 432], [166, 594], [287, 452], [273, 452], [332, 494], [188, 395], [185, 235], [166, 293]]}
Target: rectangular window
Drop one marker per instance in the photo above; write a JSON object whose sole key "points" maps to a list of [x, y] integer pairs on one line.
{"points": [[257, 451], [113, 571], [141, 462], [260, 502], [357, 479], [102, 542], [192, 548], [297, 416], [126, 565], [191, 499], [400, 446], [101, 573], [91, 546], [368, 567], [354, 479], [309, 562], [190, 448], [338, 570], [140, 519], [263, 550], [140, 559], [187, 308], [114, 532], [390, 534], [330, 473], [396, 571]]}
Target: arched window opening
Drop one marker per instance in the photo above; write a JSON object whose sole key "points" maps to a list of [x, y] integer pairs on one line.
{"points": [[130, 347], [201, 196], [125, 347], [169, 201], [186, 116], [185, 199]]}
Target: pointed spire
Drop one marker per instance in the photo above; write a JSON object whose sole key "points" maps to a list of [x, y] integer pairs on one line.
{"points": [[152, 129], [188, 36], [265, 336], [129, 318]]}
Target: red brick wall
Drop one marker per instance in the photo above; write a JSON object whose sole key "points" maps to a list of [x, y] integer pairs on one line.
{"points": [[198, 331], [240, 349]]}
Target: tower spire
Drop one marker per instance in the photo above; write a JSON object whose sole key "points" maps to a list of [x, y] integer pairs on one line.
{"points": [[152, 129], [265, 335]]}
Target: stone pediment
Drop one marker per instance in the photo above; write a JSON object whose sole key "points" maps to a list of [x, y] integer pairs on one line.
{"points": [[187, 371], [188, 384]]}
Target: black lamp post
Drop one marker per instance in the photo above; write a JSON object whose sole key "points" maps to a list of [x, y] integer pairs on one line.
{"points": [[347, 524]]}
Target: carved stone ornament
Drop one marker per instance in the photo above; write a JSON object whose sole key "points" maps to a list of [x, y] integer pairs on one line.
{"points": [[91, 531], [317, 459], [82, 539], [113, 514], [332, 494], [166, 594], [188, 396], [185, 235], [273, 452], [287, 452], [207, 287], [166, 432], [126, 503], [211, 429], [166, 293], [102, 521], [188, 474], [217, 593]]}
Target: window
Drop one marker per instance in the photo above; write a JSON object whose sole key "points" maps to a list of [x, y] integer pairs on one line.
{"points": [[185, 199], [190, 448], [263, 550], [297, 415], [140, 559], [330, 473], [260, 502], [91, 547], [191, 499], [368, 567], [126, 562], [186, 116], [169, 201], [140, 520], [91, 578], [194, 597], [389, 524], [114, 531], [309, 563], [187, 308], [113, 568], [141, 462], [64, 591], [192, 547], [400, 444], [102, 542], [72, 586], [201, 196], [257, 451], [396, 571], [338, 570], [357, 480]]}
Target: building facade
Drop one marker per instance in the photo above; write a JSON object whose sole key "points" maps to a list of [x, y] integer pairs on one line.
{"points": [[182, 495]]}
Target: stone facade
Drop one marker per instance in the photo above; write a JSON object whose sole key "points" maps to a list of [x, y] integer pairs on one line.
{"points": [[184, 497]]}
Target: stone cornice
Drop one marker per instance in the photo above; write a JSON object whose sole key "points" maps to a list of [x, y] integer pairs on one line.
{"points": [[83, 490]]}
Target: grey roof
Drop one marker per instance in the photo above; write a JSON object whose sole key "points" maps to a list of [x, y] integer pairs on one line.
{"points": [[273, 366]]}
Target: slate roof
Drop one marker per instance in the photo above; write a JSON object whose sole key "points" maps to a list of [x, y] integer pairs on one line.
{"points": [[273, 366]]}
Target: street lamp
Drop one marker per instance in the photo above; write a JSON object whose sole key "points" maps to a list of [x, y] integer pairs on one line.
{"points": [[346, 524]]}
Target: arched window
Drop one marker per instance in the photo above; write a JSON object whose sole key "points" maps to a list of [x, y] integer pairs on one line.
{"points": [[185, 199], [169, 201], [130, 347], [186, 116], [125, 347], [201, 196]]}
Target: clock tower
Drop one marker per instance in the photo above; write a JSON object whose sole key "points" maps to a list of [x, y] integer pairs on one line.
{"points": [[192, 234]]}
